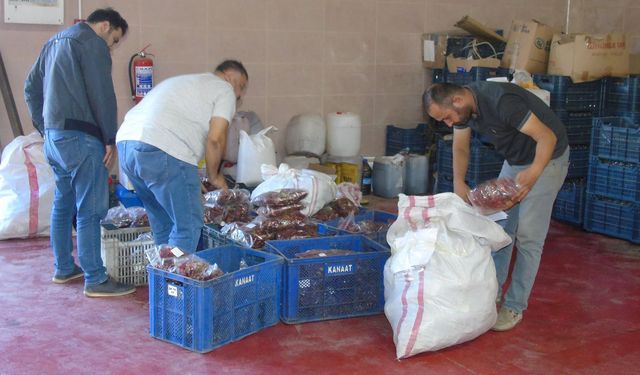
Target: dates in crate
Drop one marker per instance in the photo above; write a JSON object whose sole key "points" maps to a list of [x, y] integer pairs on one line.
{"points": [[494, 195]]}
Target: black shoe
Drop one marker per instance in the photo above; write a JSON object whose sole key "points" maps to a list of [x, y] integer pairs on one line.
{"points": [[109, 288], [59, 278]]}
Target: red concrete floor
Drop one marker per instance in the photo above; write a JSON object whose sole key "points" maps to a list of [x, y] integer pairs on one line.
{"points": [[583, 318]]}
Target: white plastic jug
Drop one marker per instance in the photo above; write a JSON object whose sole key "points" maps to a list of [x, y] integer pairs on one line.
{"points": [[306, 133], [343, 134]]}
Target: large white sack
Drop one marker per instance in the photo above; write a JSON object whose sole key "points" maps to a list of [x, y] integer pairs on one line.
{"points": [[321, 188], [440, 282], [242, 120], [306, 134], [254, 151], [27, 185]]}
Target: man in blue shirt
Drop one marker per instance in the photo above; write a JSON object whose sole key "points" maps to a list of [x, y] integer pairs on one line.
{"points": [[70, 95], [534, 143]]}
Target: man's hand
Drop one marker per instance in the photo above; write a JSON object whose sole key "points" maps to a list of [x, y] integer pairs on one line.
{"points": [[525, 181], [462, 190], [219, 182], [109, 152]]}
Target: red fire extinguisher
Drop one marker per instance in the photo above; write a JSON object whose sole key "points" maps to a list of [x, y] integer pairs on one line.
{"points": [[140, 74]]}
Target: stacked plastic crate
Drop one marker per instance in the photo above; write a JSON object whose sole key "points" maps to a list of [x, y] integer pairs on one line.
{"points": [[398, 139], [576, 104], [484, 164], [613, 188], [622, 97]]}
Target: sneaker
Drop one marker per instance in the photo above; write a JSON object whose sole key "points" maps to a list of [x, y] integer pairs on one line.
{"points": [[59, 278], [109, 288], [507, 319]]}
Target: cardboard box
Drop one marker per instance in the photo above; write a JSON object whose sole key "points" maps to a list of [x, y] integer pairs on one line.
{"points": [[586, 57], [434, 47], [455, 65], [528, 47], [474, 27]]}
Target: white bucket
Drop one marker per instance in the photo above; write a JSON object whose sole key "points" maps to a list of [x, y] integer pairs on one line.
{"points": [[343, 134]]}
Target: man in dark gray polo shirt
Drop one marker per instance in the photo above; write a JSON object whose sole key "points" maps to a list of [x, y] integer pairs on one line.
{"points": [[534, 143]]}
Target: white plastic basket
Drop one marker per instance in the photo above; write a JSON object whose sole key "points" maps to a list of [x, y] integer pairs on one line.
{"points": [[123, 256]]}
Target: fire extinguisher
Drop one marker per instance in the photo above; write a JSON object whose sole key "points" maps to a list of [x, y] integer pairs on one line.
{"points": [[140, 74]]}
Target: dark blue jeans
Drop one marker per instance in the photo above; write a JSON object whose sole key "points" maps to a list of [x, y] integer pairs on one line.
{"points": [[81, 184], [170, 191]]}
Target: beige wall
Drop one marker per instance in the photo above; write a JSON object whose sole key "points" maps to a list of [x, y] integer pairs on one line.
{"points": [[303, 55]]}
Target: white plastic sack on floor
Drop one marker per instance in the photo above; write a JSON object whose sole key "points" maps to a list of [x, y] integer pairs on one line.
{"points": [[254, 150], [440, 282], [27, 186], [320, 188]]}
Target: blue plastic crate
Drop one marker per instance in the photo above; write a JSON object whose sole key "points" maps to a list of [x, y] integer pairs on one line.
{"points": [[633, 116], [203, 315], [569, 204], [377, 216], [400, 138], [444, 183], [484, 162], [614, 218], [474, 75], [616, 138], [578, 161], [438, 76], [566, 95], [614, 179], [211, 237], [333, 287], [578, 125], [127, 197], [622, 95], [505, 72]]}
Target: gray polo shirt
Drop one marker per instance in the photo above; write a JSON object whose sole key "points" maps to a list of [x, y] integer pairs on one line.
{"points": [[503, 108]]}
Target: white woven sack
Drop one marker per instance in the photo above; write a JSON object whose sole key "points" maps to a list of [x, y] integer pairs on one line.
{"points": [[320, 188], [440, 281], [27, 185]]}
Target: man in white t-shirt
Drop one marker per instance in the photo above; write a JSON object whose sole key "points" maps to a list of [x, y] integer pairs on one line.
{"points": [[161, 140]]}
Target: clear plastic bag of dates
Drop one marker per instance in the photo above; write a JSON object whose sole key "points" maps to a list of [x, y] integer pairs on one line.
{"points": [[281, 198], [163, 256], [226, 206], [252, 234], [493, 196], [194, 267], [118, 216], [139, 217]]}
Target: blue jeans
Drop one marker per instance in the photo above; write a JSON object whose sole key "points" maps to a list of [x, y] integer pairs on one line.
{"points": [[81, 184], [527, 225], [170, 191]]}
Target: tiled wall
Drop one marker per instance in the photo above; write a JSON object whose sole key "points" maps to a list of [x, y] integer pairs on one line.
{"points": [[304, 55]]}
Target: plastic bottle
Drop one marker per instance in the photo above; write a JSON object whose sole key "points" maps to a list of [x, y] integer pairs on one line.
{"points": [[367, 172]]}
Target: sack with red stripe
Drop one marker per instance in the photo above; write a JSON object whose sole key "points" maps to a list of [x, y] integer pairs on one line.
{"points": [[440, 282], [27, 185]]}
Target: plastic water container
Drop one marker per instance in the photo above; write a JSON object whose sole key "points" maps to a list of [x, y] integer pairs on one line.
{"points": [[416, 177], [388, 176], [343, 134]]}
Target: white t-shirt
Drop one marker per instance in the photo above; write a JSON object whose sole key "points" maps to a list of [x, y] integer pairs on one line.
{"points": [[174, 116]]}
